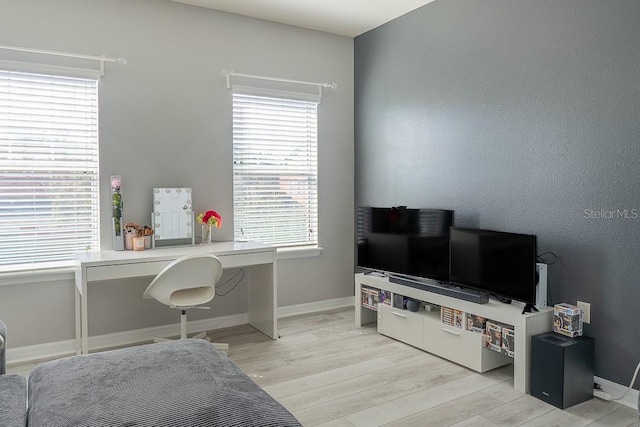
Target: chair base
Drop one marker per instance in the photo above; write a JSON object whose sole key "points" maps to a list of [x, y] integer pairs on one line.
{"points": [[183, 333]]}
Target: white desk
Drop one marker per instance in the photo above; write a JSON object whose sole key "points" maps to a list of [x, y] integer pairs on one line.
{"points": [[258, 259]]}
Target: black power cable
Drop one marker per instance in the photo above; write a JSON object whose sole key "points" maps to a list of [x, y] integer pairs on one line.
{"points": [[241, 270]]}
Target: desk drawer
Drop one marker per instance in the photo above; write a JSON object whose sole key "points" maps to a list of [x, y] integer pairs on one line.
{"points": [[120, 271]]}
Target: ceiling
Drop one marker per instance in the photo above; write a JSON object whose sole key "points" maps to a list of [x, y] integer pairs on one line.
{"points": [[343, 17]]}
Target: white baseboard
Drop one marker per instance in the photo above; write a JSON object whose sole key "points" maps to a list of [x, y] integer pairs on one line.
{"points": [[65, 348], [140, 335], [312, 307], [615, 389], [56, 349], [32, 353]]}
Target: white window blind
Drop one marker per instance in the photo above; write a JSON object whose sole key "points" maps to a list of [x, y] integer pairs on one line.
{"points": [[275, 170], [48, 167]]}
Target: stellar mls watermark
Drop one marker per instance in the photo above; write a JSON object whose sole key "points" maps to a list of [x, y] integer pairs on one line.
{"points": [[603, 213]]}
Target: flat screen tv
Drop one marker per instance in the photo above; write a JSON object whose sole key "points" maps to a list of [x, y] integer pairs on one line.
{"points": [[499, 263], [404, 241]]}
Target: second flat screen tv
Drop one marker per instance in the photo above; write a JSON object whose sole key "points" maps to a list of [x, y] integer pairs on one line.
{"points": [[501, 264]]}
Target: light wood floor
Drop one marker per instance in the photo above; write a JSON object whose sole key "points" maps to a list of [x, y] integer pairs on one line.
{"points": [[329, 373]]}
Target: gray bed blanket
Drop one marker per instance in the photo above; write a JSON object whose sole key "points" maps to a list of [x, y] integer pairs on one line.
{"points": [[13, 401], [182, 383]]}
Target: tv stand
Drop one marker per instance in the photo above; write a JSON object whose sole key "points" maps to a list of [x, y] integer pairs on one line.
{"points": [[424, 329]]}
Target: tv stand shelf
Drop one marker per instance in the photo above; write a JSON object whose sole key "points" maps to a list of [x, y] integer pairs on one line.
{"points": [[422, 329]]}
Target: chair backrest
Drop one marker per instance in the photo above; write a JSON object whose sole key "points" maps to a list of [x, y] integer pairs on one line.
{"points": [[189, 280]]}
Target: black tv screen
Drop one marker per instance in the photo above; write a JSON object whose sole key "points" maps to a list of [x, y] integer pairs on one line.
{"points": [[404, 241], [499, 263]]}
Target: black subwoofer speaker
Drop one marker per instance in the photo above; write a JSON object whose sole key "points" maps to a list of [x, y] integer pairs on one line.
{"points": [[561, 369]]}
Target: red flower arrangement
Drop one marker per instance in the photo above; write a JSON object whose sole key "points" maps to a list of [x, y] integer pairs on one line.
{"points": [[212, 218]]}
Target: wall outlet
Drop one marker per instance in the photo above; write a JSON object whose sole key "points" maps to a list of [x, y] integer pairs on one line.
{"points": [[586, 311]]}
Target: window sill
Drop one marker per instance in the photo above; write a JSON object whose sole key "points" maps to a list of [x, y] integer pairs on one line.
{"points": [[298, 252], [52, 272]]}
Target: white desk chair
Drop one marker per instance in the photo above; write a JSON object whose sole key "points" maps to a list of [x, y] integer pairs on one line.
{"points": [[185, 283]]}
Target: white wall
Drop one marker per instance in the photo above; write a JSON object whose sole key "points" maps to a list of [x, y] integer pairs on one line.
{"points": [[165, 120]]}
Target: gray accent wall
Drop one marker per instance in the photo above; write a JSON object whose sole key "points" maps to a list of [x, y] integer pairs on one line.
{"points": [[165, 121], [521, 116]]}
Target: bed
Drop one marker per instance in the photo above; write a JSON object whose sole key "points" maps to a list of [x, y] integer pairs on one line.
{"points": [[182, 383]]}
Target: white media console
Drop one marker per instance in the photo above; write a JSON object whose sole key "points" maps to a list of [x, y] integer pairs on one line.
{"points": [[425, 330]]}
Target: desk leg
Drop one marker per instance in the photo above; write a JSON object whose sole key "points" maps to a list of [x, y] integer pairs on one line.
{"points": [[85, 319], [78, 323], [262, 299], [80, 308]]}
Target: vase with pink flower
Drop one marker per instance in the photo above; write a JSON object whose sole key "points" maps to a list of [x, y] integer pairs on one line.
{"points": [[208, 220]]}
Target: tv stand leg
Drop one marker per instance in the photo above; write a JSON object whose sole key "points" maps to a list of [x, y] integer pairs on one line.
{"points": [[362, 315]]}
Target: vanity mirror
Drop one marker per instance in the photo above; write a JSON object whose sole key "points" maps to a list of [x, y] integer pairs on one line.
{"points": [[172, 216]]}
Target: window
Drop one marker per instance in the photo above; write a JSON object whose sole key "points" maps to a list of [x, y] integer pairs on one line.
{"points": [[275, 177], [48, 167]]}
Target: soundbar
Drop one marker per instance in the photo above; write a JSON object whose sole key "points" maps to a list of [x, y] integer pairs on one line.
{"points": [[443, 289]]}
